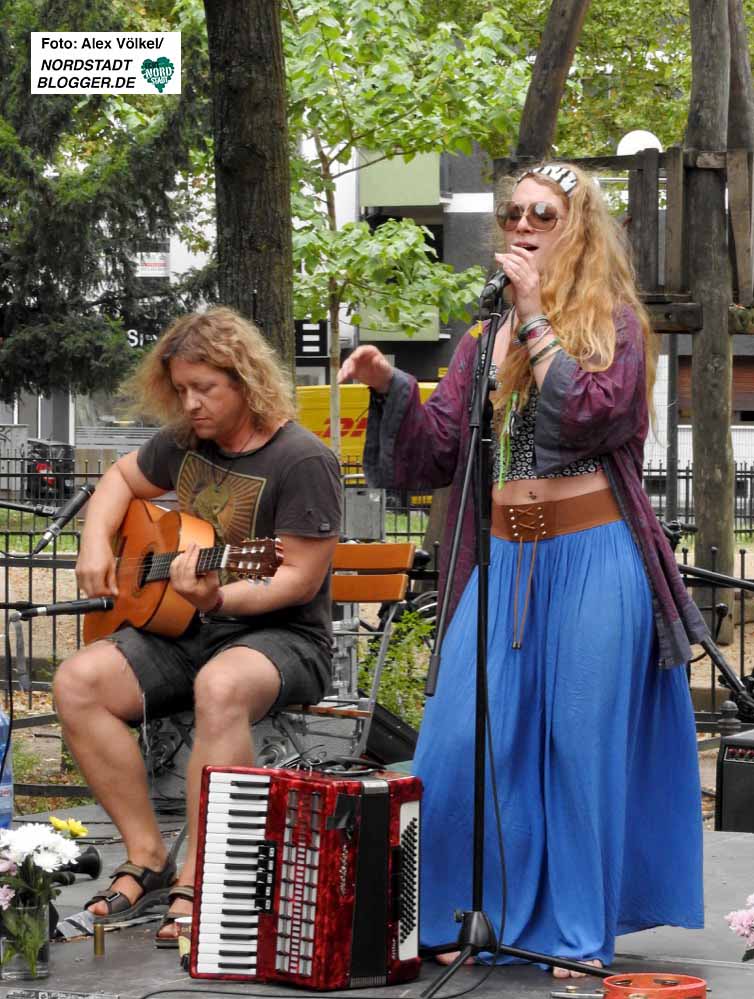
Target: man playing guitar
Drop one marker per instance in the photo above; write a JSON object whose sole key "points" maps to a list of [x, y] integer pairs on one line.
{"points": [[231, 450]]}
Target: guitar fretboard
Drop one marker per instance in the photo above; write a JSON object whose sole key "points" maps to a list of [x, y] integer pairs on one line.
{"points": [[157, 566]]}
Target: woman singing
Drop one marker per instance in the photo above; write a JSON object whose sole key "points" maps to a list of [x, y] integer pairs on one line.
{"points": [[591, 720]]}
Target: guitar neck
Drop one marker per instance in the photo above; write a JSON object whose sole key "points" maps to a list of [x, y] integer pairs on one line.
{"points": [[209, 560]]}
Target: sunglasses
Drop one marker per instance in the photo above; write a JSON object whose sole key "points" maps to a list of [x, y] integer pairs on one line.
{"points": [[540, 215]]}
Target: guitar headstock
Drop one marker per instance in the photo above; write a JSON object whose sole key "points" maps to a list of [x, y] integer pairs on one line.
{"points": [[255, 558]]}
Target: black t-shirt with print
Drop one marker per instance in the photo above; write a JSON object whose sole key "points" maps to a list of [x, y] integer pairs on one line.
{"points": [[290, 485]]}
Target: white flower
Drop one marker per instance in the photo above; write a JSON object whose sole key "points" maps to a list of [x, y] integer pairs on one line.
{"points": [[45, 847], [48, 860]]}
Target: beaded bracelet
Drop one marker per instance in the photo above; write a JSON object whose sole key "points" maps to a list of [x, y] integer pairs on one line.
{"points": [[529, 330], [549, 348]]}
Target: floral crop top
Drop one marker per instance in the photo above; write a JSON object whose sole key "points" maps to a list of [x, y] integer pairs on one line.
{"points": [[522, 449]]}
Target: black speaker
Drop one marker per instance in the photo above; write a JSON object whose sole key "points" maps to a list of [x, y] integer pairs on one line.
{"points": [[390, 739], [734, 801]]}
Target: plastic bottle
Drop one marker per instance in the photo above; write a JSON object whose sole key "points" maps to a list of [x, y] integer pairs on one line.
{"points": [[6, 783]]}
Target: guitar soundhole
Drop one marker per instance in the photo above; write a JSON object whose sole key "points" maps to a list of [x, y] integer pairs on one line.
{"points": [[144, 570]]}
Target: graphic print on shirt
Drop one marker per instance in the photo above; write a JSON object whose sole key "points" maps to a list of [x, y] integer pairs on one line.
{"points": [[227, 500]]}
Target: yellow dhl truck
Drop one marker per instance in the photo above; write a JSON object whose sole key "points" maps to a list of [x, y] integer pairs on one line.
{"points": [[314, 413]]}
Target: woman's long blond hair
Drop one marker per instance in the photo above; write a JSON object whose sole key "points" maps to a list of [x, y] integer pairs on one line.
{"points": [[225, 340], [589, 276]]}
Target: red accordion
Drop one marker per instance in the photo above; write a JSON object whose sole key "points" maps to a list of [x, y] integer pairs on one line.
{"points": [[307, 877]]}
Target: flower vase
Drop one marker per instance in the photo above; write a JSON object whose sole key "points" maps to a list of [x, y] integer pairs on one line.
{"points": [[25, 944]]}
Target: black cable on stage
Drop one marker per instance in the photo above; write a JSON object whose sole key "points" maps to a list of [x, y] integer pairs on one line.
{"points": [[294, 993]]}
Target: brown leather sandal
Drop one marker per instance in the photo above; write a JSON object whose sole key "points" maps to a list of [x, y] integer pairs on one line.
{"points": [[155, 886], [177, 891]]}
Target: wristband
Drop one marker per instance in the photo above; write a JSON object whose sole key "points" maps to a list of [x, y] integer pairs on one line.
{"points": [[549, 348], [530, 330]]}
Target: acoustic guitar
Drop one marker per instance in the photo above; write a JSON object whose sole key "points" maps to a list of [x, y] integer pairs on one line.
{"points": [[146, 544]]}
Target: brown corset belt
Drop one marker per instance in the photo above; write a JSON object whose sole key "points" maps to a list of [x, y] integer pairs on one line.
{"points": [[539, 521]]}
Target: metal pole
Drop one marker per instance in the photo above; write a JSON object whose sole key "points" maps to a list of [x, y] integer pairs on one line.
{"points": [[671, 480]]}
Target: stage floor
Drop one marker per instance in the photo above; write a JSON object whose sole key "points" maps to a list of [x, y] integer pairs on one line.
{"points": [[132, 967]]}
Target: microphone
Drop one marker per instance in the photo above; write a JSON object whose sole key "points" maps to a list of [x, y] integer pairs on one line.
{"points": [[66, 513], [494, 287], [68, 607]]}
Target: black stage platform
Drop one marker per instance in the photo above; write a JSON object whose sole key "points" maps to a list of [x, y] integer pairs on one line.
{"points": [[133, 967]]}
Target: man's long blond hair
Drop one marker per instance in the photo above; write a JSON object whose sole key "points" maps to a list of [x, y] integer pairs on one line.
{"points": [[225, 340], [588, 278]]}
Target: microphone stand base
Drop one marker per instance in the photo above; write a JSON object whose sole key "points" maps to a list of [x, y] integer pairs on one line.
{"points": [[476, 935]]}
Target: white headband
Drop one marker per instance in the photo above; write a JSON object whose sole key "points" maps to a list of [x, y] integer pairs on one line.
{"points": [[562, 176]]}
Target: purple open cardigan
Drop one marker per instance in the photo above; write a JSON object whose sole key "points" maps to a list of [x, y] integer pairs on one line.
{"points": [[581, 414]]}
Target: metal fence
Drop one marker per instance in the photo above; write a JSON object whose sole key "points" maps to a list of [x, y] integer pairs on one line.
{"points": [[50, 577], [655, 482], [49, 479]]}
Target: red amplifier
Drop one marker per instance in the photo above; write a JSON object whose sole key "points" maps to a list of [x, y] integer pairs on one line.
{"points": [[307, 877]]}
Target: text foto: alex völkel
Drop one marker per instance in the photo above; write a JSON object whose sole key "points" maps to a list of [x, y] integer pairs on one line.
{"points": [[102, 43]]}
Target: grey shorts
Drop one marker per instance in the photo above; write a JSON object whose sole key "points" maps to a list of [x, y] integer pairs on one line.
{"points": [[166, 667]]}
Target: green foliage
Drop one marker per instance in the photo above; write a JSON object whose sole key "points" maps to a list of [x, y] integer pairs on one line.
{"points": [[632, 67], [405, 670], [368, 74], [85, 183], [26, 929], [25, 762], [399, 526], [364, 71], [389, 269], [80, 354]]}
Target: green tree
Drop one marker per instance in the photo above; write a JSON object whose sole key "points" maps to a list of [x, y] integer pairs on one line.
{"points": [[85, 183], [632, 67], [369, 76]]}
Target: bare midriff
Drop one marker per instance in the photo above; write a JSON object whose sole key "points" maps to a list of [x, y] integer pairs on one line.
{"points": [[545, 490]]}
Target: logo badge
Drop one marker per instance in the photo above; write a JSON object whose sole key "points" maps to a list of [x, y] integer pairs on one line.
{"points": [[157, 73]]}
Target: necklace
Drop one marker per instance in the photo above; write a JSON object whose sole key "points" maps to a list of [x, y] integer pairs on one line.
{"points": [[226, 471]]}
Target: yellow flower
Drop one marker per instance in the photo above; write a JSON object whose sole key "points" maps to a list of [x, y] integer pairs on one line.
{"points": [[72, 827]]}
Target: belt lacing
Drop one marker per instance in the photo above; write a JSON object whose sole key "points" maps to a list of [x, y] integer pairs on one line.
{"points": [[524, 518]]}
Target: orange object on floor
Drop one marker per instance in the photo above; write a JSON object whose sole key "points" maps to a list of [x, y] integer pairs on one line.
{"points": [[654, 985]]}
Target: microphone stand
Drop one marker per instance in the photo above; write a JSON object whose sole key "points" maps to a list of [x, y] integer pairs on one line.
{"points": [[477, 933], [35, 509]]}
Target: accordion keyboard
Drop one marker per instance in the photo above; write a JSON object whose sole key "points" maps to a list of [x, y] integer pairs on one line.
{"points": [[238, 873]]}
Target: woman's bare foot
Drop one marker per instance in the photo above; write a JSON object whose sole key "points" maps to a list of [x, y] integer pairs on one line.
{"points": [[565, 973], [179, 907], [450, 958]]}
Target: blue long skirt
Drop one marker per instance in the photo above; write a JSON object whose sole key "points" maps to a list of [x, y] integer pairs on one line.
{"points": [[595, 755]]}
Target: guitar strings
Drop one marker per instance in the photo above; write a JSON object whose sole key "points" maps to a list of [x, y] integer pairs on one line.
{"points": [[163, 560], [233, 550]]}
